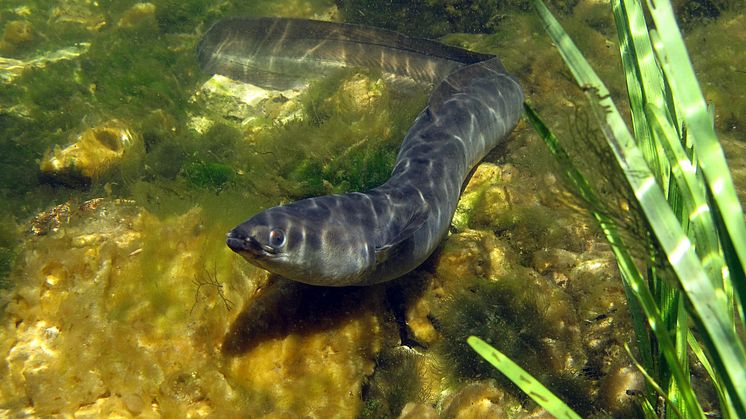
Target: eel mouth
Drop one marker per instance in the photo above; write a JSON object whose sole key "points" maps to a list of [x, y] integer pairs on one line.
{"points": [[249, 247]]}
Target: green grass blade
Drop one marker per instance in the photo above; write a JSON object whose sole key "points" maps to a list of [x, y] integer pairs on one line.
{"points": [[635, 287], [672, 54], [647, 408], [643, 77], [722, 397], [525, 381], [681, 331], [693, 193], [708, 301], [735, 274]]}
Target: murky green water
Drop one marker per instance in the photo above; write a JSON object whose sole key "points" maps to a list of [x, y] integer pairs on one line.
{"points": [[122, 167]]}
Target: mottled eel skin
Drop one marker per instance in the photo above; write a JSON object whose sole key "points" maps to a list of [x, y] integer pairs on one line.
{"points": [[379, 235]]}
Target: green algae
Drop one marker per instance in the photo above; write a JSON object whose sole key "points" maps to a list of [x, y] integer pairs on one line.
{"points": [[509, 316], [131, 70], [209, 175], [692, 13], [348, 151], [422, 18], [7, 257], [8, 248], [294, 8], [336, 146], [180, 15], [396, 381], [359, 171]]}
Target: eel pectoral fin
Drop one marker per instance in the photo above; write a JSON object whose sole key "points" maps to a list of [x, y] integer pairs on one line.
{"points": [[416, 221]]}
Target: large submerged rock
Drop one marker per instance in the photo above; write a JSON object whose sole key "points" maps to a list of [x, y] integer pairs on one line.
{"points": [[117, 312], [93, 153]]}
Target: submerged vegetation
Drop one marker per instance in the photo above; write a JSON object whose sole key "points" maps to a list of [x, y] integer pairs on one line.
{"points": [[136, 68], [527, 329], [427, 18], [350, 137], [132, 257], [8, 247], [687, 301]]}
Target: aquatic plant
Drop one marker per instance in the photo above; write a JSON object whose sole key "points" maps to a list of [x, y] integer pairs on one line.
{"points": [[522, 379], [397, 380], [425, 18], [8, 243], [128, 71], [345, 140], [527, 329], [208, 175], [179, 16], [690, 294]]}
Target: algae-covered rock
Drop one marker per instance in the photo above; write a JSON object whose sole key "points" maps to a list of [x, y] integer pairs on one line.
{"points": [[545, 293], [493, 198], [247, 105], [403, 376], [479, 400], [304, 350], [80, 14], [117, 312], [11, 69], [418, 316], [359, 93], [138, 14], [418, 411], [16, 33], [93, 153], [475, 253], [619, 388]]}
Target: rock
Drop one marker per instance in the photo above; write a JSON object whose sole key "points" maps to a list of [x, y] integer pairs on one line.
{"points": [[478, 400], [92, 154], [134, 403], [138, 14], [418, 319], [618, 389], [250, 106], [595, 283], [418, 411], [561, 260], [306, 350], [358, 93], [78, 14], [17, 32], [475, 253], [115, 312], [10, 68], [492, 198]]}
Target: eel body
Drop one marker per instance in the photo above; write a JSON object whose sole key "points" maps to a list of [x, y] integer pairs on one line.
{"points": [[381, 234]]}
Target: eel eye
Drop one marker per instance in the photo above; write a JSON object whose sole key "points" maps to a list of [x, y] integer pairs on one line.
{"points": [[276, 238]]}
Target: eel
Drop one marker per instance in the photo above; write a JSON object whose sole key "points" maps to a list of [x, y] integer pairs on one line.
{"points": [[364, 238]]}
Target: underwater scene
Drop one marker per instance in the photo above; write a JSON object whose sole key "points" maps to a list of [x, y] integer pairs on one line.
{"points": [[123, 166]]}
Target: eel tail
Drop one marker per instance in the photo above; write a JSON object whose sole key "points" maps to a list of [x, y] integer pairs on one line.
{"points": [[282, 53]]}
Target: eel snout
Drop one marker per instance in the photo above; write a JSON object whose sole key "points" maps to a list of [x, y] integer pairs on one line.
{"points": [[247, 246]]}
